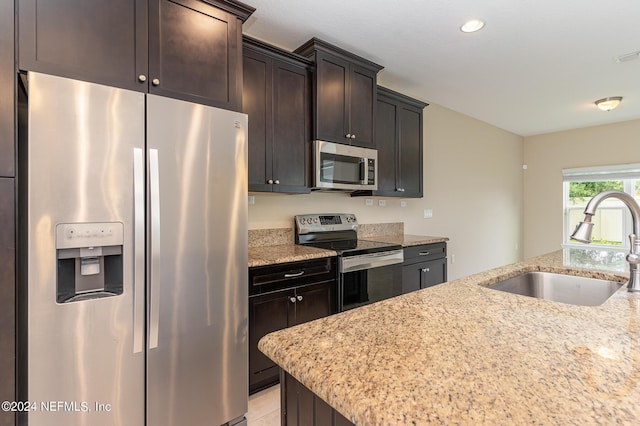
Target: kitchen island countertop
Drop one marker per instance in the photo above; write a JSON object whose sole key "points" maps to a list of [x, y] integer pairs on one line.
{"points": [[459, 353]]}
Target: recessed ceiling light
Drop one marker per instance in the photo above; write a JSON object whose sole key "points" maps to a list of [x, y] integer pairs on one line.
{"points": [[472, 26], [607, 104]]}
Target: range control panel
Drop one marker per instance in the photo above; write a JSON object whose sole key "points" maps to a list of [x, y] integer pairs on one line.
{"points": [[308, 223]]}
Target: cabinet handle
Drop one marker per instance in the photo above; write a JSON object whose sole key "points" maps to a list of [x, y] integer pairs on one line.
{"points": [[270, 181], [425, 269], [155, 82], [277, 182], [348, 136], [297, 274], [353, 136], [142, 78], [292, 299], [299, 298], [401, 189], [423, 253]]}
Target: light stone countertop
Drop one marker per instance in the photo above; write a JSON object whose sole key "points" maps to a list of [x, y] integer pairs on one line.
{"points": [[262, 252], [459, 353], [270, 255]]}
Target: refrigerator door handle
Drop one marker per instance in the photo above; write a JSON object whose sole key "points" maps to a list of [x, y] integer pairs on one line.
{"points": [[154, 270], [138, 249]]}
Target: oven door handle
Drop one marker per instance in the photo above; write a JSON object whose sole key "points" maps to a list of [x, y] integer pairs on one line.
{"points": [[370, 261]]}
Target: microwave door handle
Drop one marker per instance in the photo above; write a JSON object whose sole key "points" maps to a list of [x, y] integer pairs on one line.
{"points": [[363, 171]]}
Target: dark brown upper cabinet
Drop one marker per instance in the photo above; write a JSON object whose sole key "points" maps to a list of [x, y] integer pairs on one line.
{"points": [[399, 143], [186, 49], [344, 89], [276, 96]]}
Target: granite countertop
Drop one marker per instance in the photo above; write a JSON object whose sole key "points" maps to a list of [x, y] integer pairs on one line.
{"points": [[270, 255], [261, 255], [459, 353]]}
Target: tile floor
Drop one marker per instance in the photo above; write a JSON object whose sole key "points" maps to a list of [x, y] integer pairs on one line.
{"points": [[264, 408]]}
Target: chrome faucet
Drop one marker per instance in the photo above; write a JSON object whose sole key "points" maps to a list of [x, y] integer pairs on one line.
{"points": [[582, 232]]}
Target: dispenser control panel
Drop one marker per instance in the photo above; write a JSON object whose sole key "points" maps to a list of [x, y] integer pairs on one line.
{"points": [[77, 235], [89, 261]]}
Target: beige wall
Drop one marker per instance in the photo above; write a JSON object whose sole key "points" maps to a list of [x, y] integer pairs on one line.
{"points": [[546, 156], [472, 182]]}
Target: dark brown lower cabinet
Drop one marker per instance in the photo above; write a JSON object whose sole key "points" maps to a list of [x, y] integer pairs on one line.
{"points": [[282, 296], [7, 298], [301, 407], [424, 266]]}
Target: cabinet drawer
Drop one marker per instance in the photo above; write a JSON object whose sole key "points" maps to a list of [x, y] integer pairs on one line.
{"points": [[424, 252], [263, 279]]}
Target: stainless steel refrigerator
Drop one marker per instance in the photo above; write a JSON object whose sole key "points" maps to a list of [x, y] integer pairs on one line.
{"points": [[134, 253]]}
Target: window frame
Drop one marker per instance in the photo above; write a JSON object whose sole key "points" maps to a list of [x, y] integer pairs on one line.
{"points": [[628, 173]]}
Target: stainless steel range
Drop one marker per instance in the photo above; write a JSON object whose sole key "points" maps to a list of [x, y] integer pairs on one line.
{"points": [[369, 271]]}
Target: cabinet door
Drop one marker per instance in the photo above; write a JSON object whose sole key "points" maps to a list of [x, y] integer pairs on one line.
{"points": [[411, 276], [433, 272], [410, 151], [7, 297], [386, 136], [362, 103], [291, 134], [314, 301], [195, 53], [332, 85], [99, 41], [256, 102], [267, 313]]}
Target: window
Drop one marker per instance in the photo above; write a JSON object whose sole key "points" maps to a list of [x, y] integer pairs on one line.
{"points": [[612, 221]]}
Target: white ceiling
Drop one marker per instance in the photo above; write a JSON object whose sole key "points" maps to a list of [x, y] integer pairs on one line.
{"points": [[536, 67]]}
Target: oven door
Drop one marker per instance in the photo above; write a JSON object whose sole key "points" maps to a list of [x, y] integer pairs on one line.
{"points": [[369, 278]]}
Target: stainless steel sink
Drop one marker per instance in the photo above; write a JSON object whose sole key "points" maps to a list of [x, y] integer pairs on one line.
{"points": [[560, 288]]}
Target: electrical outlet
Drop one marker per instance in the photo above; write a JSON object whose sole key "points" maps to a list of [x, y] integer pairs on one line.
{"points": [[252, 199], [403, 204], [428, 213], [382, 203], [453, 258], [368, 202]]}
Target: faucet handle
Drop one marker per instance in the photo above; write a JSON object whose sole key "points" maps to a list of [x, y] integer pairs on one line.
{"points": [[632, 242]]}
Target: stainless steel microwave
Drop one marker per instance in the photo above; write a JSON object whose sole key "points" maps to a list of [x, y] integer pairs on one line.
{"points": [[344, 167]]}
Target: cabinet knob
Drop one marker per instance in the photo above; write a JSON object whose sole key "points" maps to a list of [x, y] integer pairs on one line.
{"points": [[353, 136], [348, 136], [155, 82], [277, 182], [270, 181], [142, 78], [401, 189], [425, 269], [292, 299], [299, 298]]}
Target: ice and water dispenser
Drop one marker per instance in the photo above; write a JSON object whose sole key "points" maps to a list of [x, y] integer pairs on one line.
{"points": [[89, 260]]}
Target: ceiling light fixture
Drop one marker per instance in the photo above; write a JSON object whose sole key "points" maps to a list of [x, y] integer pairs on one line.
{"points": [[472, 26], [607, 104]]}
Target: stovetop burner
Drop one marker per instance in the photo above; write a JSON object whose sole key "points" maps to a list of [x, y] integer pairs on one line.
{"points": [[354, 247], [338, 232]]}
